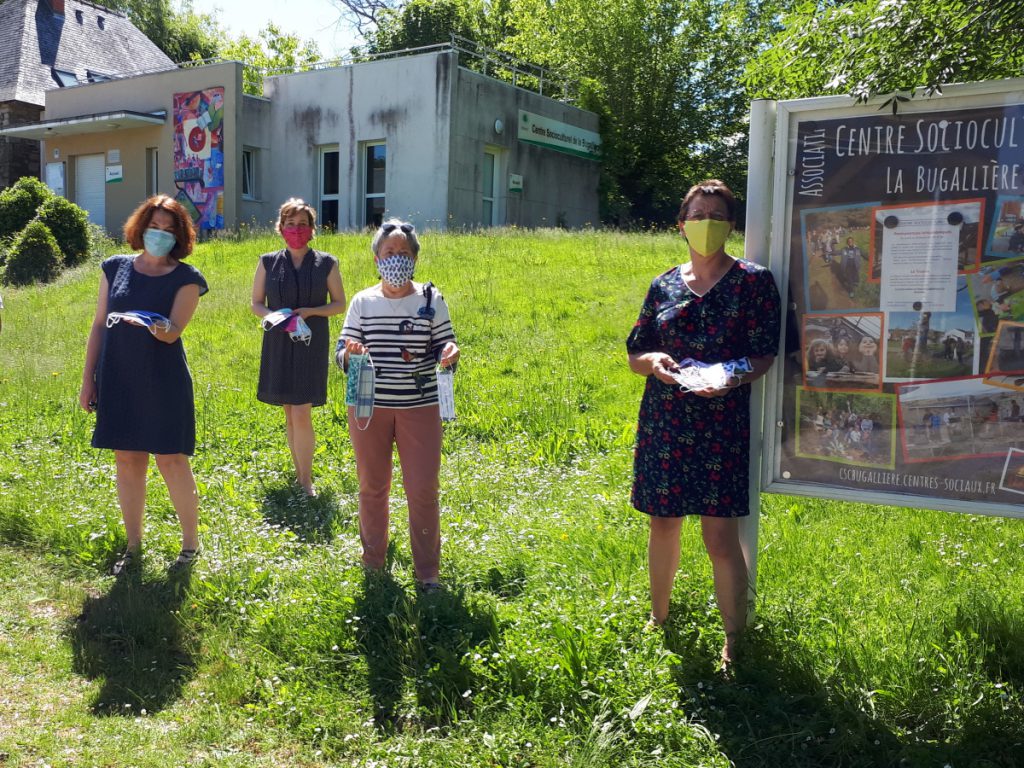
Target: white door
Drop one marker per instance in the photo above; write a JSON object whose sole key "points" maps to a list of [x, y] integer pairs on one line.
{"points": [[90, 194]]}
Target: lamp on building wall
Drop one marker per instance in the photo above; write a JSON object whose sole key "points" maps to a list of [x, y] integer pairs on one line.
{"points": [[499, 126]]}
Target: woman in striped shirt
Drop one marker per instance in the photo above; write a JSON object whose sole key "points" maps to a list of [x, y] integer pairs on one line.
{"points": [[406, 330]]}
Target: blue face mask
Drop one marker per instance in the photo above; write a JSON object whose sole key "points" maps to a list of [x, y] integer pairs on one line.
{"points": [[157, 242]]}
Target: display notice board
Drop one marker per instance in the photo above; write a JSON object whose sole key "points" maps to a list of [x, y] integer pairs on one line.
{"points": [[898, 241]]}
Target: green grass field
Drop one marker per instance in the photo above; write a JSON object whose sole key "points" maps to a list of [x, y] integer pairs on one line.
{"points": [[884, 636]]}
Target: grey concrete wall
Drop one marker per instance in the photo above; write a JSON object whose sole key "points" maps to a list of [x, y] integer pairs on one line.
{"points": [[254, 133], [147, 93], [558, 188], [403, 101]]}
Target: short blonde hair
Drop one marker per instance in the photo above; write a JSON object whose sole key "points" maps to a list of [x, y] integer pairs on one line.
{"points": [[295, 205]]}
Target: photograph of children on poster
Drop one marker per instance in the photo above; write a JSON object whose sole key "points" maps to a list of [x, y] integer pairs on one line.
{"points": [[904, 372]]}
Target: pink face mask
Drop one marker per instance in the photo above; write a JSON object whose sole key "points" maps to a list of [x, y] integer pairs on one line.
{"points": [[297, 237]]}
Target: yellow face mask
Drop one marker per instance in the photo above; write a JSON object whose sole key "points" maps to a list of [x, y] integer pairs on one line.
{"points": [[708, 236]]}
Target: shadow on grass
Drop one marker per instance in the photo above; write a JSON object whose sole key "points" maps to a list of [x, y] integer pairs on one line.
{"points": [[775, 710], [313, 520], [416, 652], [131, 639], [448, 629], [382, 638]]}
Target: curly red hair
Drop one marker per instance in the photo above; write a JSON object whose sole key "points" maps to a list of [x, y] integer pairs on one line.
{"points": [[184, 230]]}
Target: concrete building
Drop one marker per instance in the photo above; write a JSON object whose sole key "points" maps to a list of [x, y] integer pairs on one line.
{"points": [[416, 136], [52, 44]]}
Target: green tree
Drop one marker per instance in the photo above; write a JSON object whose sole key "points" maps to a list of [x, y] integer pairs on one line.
{"points": [[424, 22], [664, 77], [273, 51], [871, 47], [181, 33]]}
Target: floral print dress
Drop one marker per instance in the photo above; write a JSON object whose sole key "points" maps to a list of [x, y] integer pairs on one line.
{"points": [[691, 454]]}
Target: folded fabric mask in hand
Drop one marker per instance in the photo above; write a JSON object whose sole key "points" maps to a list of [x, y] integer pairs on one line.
{"points": [[298, 330], [150, 320], [695, 375], [274, 319]]}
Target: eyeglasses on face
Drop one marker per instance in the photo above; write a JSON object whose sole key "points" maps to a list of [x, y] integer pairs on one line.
{"points": [[390, 227]]}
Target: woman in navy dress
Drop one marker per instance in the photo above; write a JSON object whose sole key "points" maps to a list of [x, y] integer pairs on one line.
{"points": [[691, 455], [293, 374], [136, 378]]}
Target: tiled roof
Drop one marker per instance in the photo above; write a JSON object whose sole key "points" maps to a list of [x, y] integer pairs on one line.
{"points": [[34, 42]]}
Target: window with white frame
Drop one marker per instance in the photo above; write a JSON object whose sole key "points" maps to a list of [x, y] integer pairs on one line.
{"points": [[330, 187], [374, 178], [249, 158]]}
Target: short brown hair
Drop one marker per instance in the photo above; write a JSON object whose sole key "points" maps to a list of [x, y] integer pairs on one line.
{"points": [[713, 187], [184, 231], [295, 205]]}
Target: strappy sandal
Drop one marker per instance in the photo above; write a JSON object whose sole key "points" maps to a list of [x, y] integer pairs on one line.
{"points": [[128, 561], [186, 559], [429, 587]]}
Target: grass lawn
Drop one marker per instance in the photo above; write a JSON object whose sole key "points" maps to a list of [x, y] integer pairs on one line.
{"points": [[885, 636]]}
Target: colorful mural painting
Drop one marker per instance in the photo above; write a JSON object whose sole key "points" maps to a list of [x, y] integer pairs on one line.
{"points": [[199, 155]]}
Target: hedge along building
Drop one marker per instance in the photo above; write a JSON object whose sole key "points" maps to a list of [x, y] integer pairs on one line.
{"points": [[415, 136]]}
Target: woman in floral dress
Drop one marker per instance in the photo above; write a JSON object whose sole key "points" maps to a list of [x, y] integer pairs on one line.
{"points": [[692, 447]]}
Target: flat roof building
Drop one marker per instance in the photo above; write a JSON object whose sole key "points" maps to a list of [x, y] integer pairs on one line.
{"points": [[416, 136]]}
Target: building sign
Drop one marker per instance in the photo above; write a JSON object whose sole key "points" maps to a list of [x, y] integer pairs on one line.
{"points": [[199, 155], [904, 259], [114, 174], [552, 134]]}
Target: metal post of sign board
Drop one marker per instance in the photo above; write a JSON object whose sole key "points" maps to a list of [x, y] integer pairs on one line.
{"points": [[903, 230], [757, 241]]}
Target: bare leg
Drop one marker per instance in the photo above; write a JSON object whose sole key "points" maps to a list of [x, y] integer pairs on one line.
{"points": [[722, 541], [663, 561], [131, 493], [181, 486], [301, 442]]}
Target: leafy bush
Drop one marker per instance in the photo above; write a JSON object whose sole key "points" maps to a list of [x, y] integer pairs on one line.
{"points": [[101, 244], [19, 203], [69, 225], [34, 256]]}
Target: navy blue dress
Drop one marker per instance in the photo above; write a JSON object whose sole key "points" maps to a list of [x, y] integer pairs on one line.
{"points": [[692, 453], [292, 373], [144, 387]]}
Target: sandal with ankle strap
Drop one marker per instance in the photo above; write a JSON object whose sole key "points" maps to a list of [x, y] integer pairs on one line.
{"points": [[186, 559], [128, 561]]}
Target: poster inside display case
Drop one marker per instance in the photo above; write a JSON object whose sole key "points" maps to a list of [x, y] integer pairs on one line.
{"points": [[899, 239]]}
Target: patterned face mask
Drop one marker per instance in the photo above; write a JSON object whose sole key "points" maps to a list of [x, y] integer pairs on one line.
{"points": [[396, 270]]}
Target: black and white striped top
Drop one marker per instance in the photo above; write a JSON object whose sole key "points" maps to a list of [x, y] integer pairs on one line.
{"points": [[404, 344]]}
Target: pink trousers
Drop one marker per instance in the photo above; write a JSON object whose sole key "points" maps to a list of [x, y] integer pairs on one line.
{"points": [[417, 433]]}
